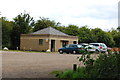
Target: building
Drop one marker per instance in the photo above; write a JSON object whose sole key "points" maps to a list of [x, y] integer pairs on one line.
{"points": [[47, 39]]}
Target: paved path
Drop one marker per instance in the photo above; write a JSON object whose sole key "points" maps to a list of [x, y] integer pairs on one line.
{"points": [[35, 65]]}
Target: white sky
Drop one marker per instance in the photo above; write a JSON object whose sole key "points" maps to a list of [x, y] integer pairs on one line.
{"points": [[94, 13]]}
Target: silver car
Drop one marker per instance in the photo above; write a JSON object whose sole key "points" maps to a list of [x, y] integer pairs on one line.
{"points": [[99, 47]]}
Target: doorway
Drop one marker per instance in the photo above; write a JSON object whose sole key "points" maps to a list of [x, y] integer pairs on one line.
{"points": [[52, 45]]}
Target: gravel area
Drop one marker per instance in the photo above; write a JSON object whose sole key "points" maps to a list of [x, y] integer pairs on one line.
{"points": [[35, 65]]}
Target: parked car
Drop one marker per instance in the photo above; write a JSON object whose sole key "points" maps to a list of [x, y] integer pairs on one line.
{"points": [[99, 47], [84, 44], [90, 48], [71, 48]]}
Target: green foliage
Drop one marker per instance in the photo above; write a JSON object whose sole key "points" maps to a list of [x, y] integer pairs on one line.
{"points": [[61, 28], [118, 28], [70, 74], [66, 74], [105, 66], [72, 30], [44, 23], [82, 51], [103, 37], [85, 35], [6, 32], [116, 37], [23, 24], [87, 60]]}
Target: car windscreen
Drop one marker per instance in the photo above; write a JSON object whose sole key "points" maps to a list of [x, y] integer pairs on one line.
{"points": [[89, 46], [84, 45], [79, 46]]}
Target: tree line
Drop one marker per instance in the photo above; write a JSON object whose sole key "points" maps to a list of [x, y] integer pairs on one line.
{"points": [[25, 24]]}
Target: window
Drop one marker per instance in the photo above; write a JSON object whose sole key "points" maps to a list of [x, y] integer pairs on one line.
{"points": [[67, 46], [95, 45], [73, 46], [74, 42], [64, 43], [40, 41], [70, 46]]}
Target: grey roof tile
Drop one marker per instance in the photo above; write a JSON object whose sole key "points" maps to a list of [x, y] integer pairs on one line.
{"points": [[51, 31]]}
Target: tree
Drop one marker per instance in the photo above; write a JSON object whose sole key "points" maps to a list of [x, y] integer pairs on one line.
{"points": [[117, 39], [118, 28], [103, 37], [72, 30], [45, 22], [85, 35], [116, 36], [6, 32], [23, 24]]}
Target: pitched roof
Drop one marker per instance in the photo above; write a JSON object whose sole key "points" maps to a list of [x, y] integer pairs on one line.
{"points": [[51, 31]]}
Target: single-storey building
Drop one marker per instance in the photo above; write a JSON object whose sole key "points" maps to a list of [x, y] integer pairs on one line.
{"points": [[47, 39]]}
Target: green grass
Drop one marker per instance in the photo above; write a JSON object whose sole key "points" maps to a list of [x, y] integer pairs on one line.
{"points": [[70, 74]]}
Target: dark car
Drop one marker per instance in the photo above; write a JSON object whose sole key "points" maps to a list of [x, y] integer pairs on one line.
{"points": [[71, 48]]}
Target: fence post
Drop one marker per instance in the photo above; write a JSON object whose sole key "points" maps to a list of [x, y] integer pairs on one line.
{"points": [[74, 67]]}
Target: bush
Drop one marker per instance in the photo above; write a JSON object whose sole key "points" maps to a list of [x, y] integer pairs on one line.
{"points": [[105, 66]]}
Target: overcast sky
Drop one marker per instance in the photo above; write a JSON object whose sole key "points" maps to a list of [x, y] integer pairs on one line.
{"points": [[94, 13]]}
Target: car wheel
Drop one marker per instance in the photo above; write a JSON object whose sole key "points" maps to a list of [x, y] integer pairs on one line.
{"points": [[61, 51], [74, 52], [67, 52]]}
